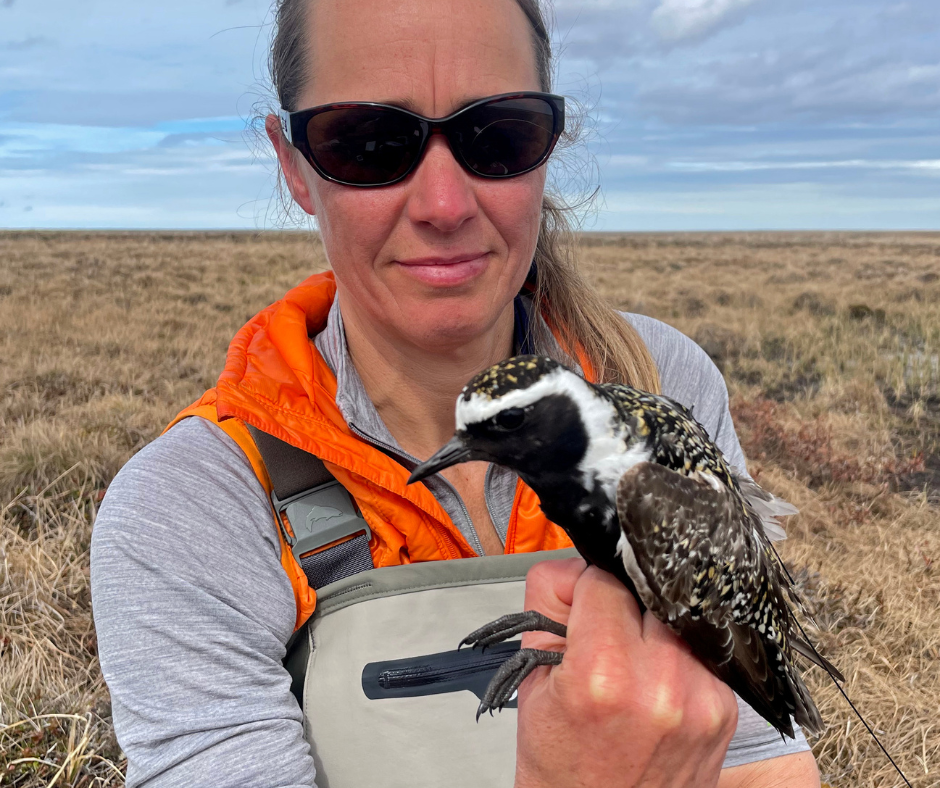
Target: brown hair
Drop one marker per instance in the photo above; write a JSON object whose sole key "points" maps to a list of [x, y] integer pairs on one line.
{"points": [[573, 307]]}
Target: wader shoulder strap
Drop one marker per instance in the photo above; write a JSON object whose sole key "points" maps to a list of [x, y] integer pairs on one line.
{"points": [[318, 517]]}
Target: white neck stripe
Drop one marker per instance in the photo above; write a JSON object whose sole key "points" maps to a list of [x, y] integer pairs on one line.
{"points": [[480, 407]]}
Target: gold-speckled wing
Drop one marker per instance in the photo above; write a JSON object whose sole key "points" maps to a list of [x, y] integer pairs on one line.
{"points": [[700, 548], [681, 444], [713, 578]]}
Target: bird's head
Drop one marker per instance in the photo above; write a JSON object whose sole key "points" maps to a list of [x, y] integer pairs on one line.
{"points": [[528, 413]]}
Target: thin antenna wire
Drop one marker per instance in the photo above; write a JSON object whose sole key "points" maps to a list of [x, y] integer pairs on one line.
{"points": [[836, 682]]}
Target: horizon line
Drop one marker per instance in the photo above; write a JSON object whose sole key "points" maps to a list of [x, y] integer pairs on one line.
{"points": [[308, 231]]}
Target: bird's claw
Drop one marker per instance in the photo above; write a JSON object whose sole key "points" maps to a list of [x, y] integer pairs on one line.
{"points": [[511, 674], [511, 625]]}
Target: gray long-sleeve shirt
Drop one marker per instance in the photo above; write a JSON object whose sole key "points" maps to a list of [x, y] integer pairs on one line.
{"points": [[193, 609]]}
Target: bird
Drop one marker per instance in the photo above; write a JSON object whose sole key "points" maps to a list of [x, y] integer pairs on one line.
{"points": [[645, 494]]}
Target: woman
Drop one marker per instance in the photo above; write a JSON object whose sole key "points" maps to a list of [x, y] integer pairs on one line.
{"points": [[192, 602]]}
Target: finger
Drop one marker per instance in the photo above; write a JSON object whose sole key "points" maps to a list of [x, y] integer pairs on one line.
{"points": [[675, 664], [549, 587], [604, 607], [711, 705], [660, 638], [604, 642]]}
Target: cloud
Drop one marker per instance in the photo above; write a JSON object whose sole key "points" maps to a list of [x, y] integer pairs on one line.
{"points": [[28, 139], [602, 31], [804, 205], [691, 20], [175, 45], [80, 149], [192, 139], [811, 86], [717, 114], [182, 187], [806, 63], [926, 165], [23, 44], [80, 152], [144, 108]]}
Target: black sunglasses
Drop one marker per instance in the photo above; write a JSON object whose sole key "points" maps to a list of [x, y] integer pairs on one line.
{"points": [[360, 143]]}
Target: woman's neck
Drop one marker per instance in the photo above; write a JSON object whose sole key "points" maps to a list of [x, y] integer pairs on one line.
{"points": [[414, 389]]}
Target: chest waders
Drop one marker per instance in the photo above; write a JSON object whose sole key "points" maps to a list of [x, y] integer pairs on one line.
{"points": [[387, 698]]}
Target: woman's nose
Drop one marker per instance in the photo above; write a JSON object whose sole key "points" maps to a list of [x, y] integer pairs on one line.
{"points": [[442, 193]]}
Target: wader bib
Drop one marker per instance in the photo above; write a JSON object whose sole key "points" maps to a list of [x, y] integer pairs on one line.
{"points": [[387, 698]]}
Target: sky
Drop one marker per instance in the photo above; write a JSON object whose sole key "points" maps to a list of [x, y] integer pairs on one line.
{"points": [[699, 114]]}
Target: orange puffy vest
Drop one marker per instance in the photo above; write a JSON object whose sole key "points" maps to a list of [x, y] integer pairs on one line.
{"points": [[276, 380]]}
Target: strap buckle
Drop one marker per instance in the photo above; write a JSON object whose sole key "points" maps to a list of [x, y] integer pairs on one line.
{"points": [[318, 518]]}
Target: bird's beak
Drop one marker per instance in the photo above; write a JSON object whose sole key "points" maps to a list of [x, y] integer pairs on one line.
{"points": [[453, 452]]}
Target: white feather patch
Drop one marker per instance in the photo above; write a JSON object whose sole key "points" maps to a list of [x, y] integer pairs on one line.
{"points": [[607, 460], [767, 506], [711, 480], [625, 551], [609, 454]]}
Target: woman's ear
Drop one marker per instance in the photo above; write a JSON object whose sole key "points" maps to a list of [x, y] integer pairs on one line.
{"points": [[290, 164]]}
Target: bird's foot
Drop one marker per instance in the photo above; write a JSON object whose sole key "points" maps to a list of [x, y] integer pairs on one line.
{"points": [[509, 626], [511, 674]]}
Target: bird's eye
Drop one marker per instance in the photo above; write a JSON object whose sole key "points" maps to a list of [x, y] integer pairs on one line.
{"points": [[510, 419]]}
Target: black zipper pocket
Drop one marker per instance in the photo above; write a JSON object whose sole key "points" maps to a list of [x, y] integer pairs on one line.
{"points": [[434, 674]]}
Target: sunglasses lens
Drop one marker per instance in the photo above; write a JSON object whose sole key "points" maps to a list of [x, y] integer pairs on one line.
{"points": [[364, 145], [506, 137]]}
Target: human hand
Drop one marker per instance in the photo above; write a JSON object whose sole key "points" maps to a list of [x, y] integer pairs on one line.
{"points": [[629, 705]]}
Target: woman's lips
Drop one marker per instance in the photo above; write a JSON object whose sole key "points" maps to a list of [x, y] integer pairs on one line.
{"points": [[446, 271]]}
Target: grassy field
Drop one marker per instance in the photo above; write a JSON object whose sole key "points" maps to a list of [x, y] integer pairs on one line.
{"points": [[830, 344]]}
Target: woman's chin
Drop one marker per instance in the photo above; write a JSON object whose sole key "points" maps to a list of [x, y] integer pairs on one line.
{"points": [[446, 328]]}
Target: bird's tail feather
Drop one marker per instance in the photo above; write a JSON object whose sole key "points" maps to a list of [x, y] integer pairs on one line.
{"points": [[806, 650], [768, 507], [806, 714]]}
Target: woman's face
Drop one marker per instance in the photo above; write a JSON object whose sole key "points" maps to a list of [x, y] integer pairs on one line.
{"points": [[435, 260]]}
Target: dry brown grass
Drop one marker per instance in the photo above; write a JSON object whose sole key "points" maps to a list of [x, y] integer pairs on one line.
{"points": [[830, 344]]}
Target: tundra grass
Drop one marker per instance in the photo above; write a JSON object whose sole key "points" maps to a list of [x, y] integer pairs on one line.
{"points": [[829, 344]]}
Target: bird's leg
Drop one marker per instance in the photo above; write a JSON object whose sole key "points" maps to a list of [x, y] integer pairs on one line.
{"points": [[512, 673], [506, 627]]}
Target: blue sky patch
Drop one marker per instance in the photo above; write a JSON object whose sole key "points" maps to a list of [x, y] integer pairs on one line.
{"points": [[702, 114]]}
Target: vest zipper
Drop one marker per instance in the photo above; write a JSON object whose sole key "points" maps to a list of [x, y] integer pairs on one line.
{"points": [[436, 674], [487, 481], [422, 675]]}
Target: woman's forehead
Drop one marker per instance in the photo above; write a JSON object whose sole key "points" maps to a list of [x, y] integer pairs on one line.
{"points": [[432, 55]]}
